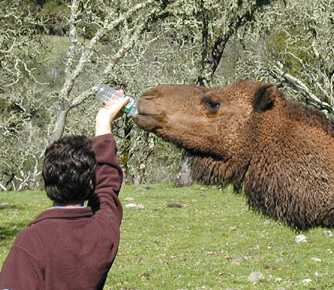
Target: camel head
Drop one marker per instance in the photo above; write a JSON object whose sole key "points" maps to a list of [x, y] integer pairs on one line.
{"points": [[247, 134], [206, 121]]}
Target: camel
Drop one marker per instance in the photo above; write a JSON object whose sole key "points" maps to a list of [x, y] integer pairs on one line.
{"points": [[279, 153]]}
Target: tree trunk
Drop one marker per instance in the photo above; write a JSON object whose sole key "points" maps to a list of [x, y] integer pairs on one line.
{"points": [[40, 3], [184, 177], [59, 125], [125, 154]]}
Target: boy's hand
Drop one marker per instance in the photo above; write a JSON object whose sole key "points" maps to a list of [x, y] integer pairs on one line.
{"points": [[108, 113]]}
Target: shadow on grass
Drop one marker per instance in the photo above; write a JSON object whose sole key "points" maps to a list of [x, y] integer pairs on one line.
{"points": [[10, 231]]}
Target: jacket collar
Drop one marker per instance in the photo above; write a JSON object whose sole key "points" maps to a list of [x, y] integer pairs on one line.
{"points": [[64, 213]]}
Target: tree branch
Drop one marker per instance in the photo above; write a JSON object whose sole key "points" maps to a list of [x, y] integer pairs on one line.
{"points": [[65, 105], [73, 37], [127, 45], [209, 63], [3, 187], [86, 55], [278, 73], [220, 44], [205, 45]]}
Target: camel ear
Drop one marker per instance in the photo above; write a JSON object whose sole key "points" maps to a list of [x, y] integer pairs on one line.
{"points": [[264, 98]]}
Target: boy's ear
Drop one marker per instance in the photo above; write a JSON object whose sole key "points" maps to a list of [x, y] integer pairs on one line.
{"points": [[264, 98]]}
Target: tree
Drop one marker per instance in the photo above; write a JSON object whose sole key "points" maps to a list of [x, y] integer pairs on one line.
{"points": [[122, 27], [20, 47], [19, 44], [46, 89], [80, 54], [295, 49], [238, 14]]}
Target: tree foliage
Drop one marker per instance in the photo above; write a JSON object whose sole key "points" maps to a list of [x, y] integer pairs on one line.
{"points": [[54, 54]]}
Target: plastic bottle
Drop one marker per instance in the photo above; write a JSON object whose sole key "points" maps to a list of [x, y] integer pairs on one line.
{"points": [[105, 93]]}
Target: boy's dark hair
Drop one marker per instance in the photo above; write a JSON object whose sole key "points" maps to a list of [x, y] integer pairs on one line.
{"points": [[69, 170]]}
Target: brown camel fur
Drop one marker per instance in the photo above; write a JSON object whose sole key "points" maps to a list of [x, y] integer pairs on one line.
{"points": [[280, 153]]}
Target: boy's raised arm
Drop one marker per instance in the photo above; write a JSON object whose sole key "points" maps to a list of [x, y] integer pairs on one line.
{"points": [[109, 175]]}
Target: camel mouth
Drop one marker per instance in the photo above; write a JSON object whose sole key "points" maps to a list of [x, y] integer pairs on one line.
{"points": [[147, 122], [147, 117], [204, 154]]}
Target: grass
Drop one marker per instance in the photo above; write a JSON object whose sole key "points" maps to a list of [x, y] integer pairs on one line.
{"points": [[213, 242]]}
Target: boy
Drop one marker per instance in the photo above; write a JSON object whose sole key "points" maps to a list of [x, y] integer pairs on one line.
{"points": [[70, 246]]}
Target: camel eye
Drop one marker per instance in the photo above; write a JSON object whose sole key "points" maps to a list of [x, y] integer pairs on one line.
{"points": [[212, 105]]}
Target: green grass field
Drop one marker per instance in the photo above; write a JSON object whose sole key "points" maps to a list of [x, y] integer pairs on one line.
{"points": [[213, 242]]}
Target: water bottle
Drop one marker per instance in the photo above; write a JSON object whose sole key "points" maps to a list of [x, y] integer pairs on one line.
{"points": [[105, 93]]}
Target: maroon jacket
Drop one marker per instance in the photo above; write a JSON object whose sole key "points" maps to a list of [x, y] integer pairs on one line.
{"points": [[71, 249]]}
